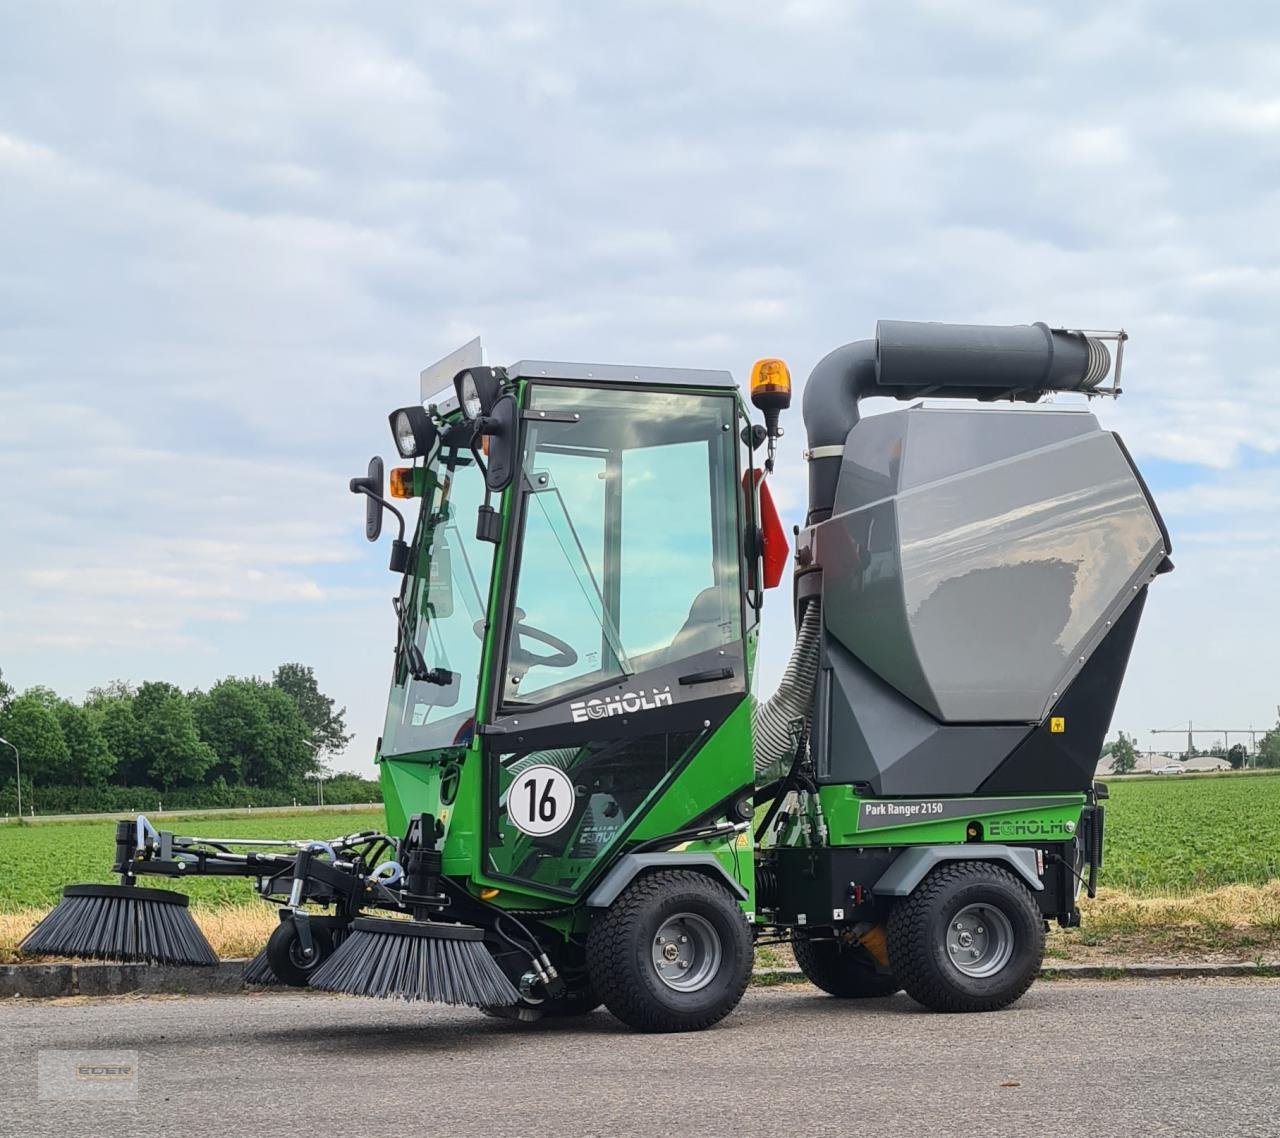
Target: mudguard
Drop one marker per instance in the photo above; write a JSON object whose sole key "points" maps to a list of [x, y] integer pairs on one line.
{"points": [[629, 866], [911, 866]]}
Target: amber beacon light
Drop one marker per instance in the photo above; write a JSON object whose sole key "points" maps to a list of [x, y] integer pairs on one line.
{"points": [[771, 393]]}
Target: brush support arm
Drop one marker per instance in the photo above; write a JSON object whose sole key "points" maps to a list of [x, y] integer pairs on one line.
{"points": [[330, 872], [347, 872]]}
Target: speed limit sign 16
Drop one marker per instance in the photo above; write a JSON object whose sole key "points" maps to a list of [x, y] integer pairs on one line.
{"points": [[540, 800]]}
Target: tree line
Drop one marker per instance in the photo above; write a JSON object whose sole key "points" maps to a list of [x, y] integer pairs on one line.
{"points": [[245, 741]]}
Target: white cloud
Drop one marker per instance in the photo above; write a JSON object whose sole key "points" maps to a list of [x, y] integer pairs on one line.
{"points": [[232, 239]]}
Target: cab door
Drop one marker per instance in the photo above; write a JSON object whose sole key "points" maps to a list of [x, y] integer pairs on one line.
{"points": [[623, 625]]}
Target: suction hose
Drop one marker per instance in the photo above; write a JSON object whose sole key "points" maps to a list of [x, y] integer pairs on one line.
{"points": [[778, 722], [909, 359]]}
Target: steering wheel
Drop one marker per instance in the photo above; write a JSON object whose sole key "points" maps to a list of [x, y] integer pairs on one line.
{"points": [[562, 656]]}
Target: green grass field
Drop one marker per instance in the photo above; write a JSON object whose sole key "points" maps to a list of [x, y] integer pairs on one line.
{"points": [[1164, 836]]}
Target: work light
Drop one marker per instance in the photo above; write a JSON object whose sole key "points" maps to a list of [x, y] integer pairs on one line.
{"points": [[413, 432], [478, 390]]}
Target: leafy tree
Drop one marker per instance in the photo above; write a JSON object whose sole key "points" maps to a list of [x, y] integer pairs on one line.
{"points": [[229, 718], [327, 728], [6, 691], [1124, 756], [91, 760], [1236, 756], [44, 697], [1269, 749], [31, 727], [167, 737], [257, 732], [111, 710], [114, 689]]}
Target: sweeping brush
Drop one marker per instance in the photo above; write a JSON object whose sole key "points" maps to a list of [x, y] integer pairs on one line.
{"points": [[416, 960], [258, 970], [121, 923]]}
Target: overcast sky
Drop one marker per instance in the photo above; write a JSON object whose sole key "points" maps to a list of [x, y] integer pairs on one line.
{"points": [[231, 235]]}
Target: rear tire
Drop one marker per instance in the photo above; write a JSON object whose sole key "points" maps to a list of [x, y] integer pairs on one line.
{"points": [[840, 970], [970, 938], [672, 953], [289, 961]]}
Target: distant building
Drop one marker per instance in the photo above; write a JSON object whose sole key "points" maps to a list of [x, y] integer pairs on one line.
{"points": [[1148, 761]]}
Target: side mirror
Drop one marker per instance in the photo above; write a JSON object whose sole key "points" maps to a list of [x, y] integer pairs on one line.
{"points": [[499, 427], [371, 486]]}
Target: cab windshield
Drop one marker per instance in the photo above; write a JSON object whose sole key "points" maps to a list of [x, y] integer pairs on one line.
{"points": [[442, 616]]}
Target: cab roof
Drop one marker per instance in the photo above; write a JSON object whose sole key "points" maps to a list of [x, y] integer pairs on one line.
{"points": [[601, 373], [621, 373]]}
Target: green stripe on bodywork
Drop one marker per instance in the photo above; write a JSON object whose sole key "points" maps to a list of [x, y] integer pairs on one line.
{"points": [[1020, 818]]}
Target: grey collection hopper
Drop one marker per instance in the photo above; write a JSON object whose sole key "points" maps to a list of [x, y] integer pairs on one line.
{"points": [[980, 573]]}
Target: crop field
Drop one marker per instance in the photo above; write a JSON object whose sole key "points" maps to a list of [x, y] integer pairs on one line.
{"points": [[1165, 836], [1182, 834]]}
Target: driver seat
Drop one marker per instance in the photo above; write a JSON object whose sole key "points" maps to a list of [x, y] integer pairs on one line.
{"points": [[702, 629]]}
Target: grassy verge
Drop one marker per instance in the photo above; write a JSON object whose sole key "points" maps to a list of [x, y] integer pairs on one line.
{"points": [[1234, 922]]}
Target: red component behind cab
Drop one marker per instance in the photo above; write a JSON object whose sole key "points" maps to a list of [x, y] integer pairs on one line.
{"points": [[776, 547]]}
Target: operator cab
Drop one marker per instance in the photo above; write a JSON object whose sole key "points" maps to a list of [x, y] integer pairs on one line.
{"points": [[612, 643]]}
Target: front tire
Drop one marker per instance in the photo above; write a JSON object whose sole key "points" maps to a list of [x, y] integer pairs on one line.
{"points": [[838, 969], [672, 953], [289, 960], [969, 938]]}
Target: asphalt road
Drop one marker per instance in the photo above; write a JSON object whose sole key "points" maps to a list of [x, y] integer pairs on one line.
{"points": [[1073, 1057]]}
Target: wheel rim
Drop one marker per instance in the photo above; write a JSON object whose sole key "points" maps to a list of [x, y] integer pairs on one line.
{"points": [[686, 952], [979, 940], [299, 956]]}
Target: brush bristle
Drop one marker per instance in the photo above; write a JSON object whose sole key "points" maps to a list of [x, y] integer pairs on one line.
{"points": [[258, 970], [389, 964], [120, 923]]}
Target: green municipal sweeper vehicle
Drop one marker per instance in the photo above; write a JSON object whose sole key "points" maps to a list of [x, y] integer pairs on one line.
{"points": [[585, 805]]}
